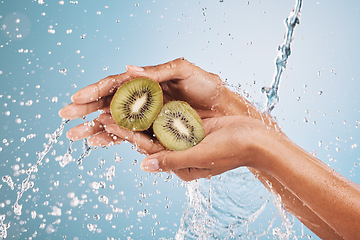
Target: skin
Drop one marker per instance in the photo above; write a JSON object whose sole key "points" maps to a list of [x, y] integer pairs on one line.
{"points": [[236, 135]]}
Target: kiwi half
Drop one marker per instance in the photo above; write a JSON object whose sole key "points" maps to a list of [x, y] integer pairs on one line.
{"points": [[136, 104], [178, 126]]}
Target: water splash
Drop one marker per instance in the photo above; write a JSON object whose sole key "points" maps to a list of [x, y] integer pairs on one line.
{"points": [[67, 158], [86, 151], [3, 227], [287, 222], [215, 211], [282, 57], [26, 183], [7, 179], [194, 215]]}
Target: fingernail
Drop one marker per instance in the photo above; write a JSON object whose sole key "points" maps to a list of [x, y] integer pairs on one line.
{"points": [[134, 68], [150, 165], [72, 98]]}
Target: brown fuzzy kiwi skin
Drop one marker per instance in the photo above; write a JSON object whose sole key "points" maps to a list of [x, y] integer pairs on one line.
{"points": [[202, 124], [137, 130]]}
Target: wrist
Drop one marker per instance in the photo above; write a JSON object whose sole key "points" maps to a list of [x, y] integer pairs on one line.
{"points": [[232, 104], [269, 148]]}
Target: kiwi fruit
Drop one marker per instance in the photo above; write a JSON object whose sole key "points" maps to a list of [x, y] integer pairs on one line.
{"points": [[178, 126], [136, 104]]}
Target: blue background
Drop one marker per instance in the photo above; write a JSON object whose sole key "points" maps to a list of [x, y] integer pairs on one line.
{"points": [[51, 49]]}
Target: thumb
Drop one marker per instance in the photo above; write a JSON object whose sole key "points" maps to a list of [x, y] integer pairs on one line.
{"points": [[166, 160]]}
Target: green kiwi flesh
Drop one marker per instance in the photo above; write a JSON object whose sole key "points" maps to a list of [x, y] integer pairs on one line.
{"points": [[178, 126], [136, 104]]}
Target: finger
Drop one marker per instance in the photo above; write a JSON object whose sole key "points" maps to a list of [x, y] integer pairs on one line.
{"points": [[84, 130], [139, 139], [103, 88], [73, 110], [88, 129], [104, 139], [189, 174], [177, 69], [106, 119], [198, 156], [105, 109]]}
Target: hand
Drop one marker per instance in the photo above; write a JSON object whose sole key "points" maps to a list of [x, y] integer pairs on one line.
{"points": [[230, 142], [179, 79]]}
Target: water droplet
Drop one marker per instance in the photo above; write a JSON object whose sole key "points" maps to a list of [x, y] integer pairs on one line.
{"points": [[91, 227], [109, 216], [103, 199], [8, 180], [117, 158], [54, 99], [140, 214], [63, 71], [110, 174], [29, 103], [169, 177], [17, 208]]}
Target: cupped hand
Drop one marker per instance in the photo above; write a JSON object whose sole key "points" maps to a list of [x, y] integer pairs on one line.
{"points": [[230, 142], [179, 79]]}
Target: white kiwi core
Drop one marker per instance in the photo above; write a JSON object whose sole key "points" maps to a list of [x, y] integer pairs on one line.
{"points": [[179, 125], [138, 104]]}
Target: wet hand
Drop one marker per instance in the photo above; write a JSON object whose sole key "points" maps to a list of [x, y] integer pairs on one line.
{"points": [[179, 79], [230, 142]]}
